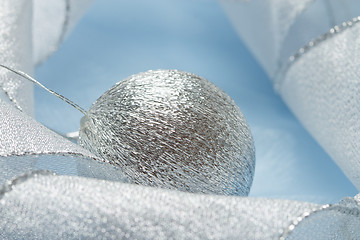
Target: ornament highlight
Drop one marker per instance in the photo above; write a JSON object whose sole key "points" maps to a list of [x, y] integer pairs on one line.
{"points": [[174, 130]]}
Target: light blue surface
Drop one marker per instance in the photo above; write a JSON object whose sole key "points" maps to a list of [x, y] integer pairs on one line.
{"points": [[119, 38]]}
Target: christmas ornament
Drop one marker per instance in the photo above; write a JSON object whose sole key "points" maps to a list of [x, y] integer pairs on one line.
{"points": [[174, 130], [170, 129]]}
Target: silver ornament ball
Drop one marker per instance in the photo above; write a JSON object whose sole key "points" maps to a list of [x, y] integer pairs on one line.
{"points": [[175, 130]]}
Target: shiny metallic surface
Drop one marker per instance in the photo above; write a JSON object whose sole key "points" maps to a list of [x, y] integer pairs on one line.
{"points": [[172, 129]]}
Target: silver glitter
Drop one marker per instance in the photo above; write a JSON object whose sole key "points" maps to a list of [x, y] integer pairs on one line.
{"points": [[68, 207], [174, 130]]}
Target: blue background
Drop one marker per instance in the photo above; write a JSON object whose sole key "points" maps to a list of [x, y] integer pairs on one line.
{"points": [[116, 39]]}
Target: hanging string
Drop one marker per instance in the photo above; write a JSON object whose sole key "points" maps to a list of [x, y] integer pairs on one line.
{"points": [[31, 79]]}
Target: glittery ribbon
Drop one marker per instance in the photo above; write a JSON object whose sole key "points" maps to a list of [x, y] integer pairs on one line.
{"points": [[282, 70]]}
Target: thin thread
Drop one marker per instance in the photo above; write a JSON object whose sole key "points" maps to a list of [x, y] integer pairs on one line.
{"points": [[64, 30], [31, 79]]}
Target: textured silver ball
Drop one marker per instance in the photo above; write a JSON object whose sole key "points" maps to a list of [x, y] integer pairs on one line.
{"points": [[174, 130]]}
